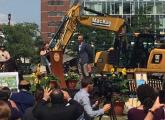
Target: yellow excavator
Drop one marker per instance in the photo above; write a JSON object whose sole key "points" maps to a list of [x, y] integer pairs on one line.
{"points": [[146, 57], [104, 60], [67, 28]]}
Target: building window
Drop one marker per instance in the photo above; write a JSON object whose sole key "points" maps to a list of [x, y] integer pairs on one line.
{"points": [[97, 6], [116, 8], [50, 35], [113, 7], [162, 21], [110, 7], [160, 7], [148, 7], [132, 8], [55, 13], [53, 23], [126, 8], [58, 2]]}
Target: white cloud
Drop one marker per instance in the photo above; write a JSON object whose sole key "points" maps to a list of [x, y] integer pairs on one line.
{"points": [[3, 18]]}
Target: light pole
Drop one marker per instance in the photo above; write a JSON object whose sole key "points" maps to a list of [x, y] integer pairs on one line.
{"points": [[9, 18]]}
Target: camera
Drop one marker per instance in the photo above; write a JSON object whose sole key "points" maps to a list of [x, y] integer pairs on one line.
{"points": [[162, 96], [105, 87]]}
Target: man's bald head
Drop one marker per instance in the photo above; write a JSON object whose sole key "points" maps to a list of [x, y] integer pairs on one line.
{"points": [[57, 96]]}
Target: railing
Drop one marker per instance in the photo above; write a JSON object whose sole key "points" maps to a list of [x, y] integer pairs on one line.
{"points": [[155, 83]]}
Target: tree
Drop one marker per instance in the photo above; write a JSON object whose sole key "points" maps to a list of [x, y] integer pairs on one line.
{"points": [[22, 40], [142, 21]]}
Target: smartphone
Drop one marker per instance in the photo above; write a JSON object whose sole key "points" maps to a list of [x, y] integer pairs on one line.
{"points": [[162, 96]]}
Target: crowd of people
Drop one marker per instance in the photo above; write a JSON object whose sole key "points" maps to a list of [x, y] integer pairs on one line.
{"points": [[57, 104], [48, 104]]}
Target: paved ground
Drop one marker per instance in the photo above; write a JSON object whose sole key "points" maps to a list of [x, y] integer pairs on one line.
{"points": [[105, 117]]}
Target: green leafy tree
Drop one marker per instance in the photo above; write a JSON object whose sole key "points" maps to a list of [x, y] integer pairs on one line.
{"points": [[22, 40], [142, 21]]}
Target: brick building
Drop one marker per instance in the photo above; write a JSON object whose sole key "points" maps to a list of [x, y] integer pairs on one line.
{"points": [[52, 12]]}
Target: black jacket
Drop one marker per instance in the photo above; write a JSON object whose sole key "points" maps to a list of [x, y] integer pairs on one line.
{"points": [[70, 111]]}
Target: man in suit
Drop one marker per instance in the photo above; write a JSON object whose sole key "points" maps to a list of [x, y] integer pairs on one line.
{"points": [[62, 106], [85, 57]]}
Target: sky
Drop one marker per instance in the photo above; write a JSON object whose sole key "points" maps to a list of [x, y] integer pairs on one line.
{"points": [[20, 10]]}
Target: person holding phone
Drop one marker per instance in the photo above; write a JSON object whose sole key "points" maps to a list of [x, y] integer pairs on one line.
{"points": [[62, 106], [157, 105], [162, 96], [82, 97], [147, 96]]}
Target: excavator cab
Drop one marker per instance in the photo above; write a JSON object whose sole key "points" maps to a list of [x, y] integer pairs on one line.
{"points": [[131, 54], [157, 56]]}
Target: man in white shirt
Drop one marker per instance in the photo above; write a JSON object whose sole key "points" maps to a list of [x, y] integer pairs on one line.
{"points": [[82, 97], [4, 58]]}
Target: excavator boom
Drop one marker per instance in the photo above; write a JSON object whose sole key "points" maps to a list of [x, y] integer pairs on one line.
{"points": [[73, 17], [106, 23]]}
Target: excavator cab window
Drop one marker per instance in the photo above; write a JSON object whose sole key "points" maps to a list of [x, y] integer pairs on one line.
{"points": [[160, 42], [157, 59], [113, 57]]}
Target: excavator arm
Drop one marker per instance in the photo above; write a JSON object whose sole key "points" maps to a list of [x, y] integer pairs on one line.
{"points": [[105, 23], [73, 17], [66, 30]]}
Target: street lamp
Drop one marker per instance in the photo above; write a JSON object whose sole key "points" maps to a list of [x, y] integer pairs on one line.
{"points": [[9, 18]]}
